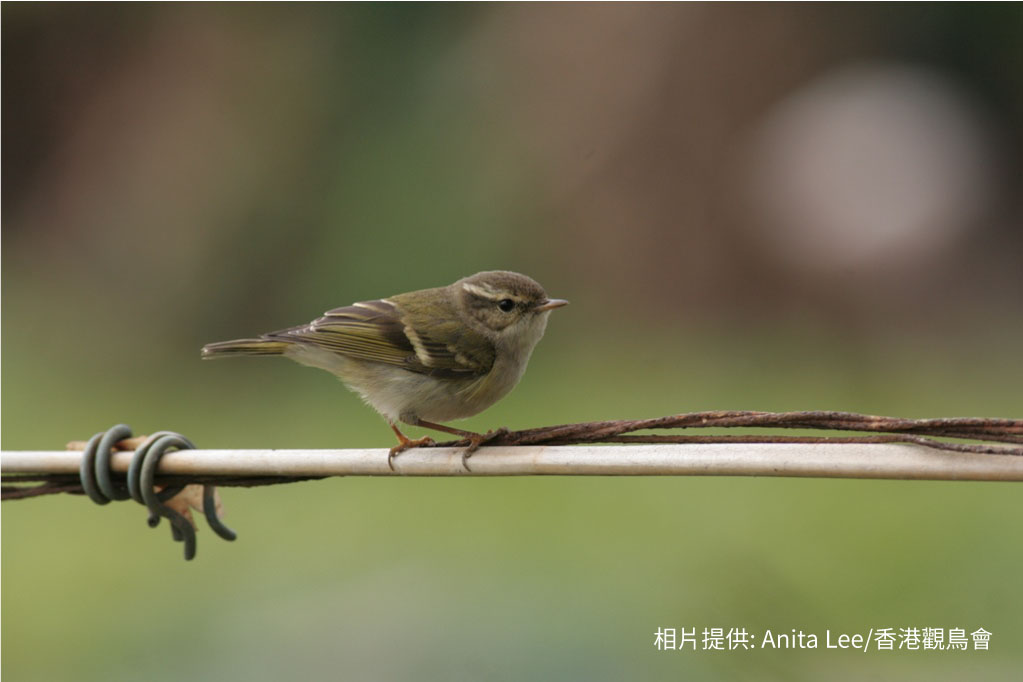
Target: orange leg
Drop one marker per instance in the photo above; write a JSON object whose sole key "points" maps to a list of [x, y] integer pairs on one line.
{"points": [[404, 443]]}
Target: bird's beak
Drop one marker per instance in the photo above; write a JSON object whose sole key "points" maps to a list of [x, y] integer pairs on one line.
{"points": [[551, 304]]}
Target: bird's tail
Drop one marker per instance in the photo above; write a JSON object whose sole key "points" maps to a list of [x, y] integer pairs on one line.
{"points": [[224, 349]]}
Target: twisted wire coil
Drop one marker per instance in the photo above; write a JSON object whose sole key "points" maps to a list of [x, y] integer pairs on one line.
{"points": [[98, 483]]}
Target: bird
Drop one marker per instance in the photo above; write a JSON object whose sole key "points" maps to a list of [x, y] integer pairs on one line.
{"points": [[422, 357]]}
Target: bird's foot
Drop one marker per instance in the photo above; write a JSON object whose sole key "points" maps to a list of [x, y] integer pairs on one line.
{"points": [[404, 445], [478, 439]]}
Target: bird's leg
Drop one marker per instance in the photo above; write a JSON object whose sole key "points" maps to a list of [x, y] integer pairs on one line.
{"points": [[404, 443], [475, 439]]}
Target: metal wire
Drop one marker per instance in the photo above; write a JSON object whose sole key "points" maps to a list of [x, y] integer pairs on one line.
{"points": [[894, 448], [97, 481]]}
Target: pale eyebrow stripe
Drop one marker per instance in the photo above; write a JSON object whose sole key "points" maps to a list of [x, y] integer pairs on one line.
{"points": [[481, 292], [490, 294]]}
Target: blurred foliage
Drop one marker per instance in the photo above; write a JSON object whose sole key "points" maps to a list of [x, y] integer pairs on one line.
{"points": [[179, 174]]}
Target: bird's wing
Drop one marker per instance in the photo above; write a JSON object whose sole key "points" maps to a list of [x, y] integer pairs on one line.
{"points": [[378, 331]]}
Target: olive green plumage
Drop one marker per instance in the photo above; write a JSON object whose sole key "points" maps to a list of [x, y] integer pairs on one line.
{"points": [[430, 355]]}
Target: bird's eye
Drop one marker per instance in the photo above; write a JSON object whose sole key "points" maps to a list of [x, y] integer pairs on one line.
{"points": [[506, 304]]}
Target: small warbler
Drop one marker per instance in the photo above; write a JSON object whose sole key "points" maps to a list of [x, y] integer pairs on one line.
{"points": [[425, 356]]}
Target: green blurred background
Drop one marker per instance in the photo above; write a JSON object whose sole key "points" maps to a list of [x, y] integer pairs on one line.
{"points": [[771, 207]]}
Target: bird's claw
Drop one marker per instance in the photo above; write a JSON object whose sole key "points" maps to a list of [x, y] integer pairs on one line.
{"points": [[480, 439], [405, 445]]}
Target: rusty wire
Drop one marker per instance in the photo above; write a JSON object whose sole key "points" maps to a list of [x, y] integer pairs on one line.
{"points": [[924, 432]]}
